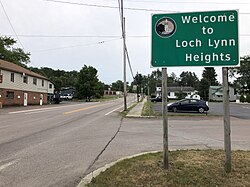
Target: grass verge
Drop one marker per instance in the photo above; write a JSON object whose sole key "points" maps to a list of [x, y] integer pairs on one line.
{"points": [[148, 109], [187, 168], [124, 113]]}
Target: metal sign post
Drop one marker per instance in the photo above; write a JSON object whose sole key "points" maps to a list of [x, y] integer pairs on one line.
{"points": [[227, 131], [165, 118], [206, 39]]}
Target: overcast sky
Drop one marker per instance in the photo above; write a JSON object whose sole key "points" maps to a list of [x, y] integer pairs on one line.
{"points": [[95, 32]]}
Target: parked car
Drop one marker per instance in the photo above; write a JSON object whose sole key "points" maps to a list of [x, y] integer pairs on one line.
{"points": [[66, 96], [189, 105], [156, 99]]}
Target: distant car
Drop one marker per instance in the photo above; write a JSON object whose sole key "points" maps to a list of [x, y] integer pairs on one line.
{"points": [[156, 99], [66, 96], [189, 105]]}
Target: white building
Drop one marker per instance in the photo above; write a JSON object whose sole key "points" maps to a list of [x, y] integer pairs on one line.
{"points": [[20, 86]]}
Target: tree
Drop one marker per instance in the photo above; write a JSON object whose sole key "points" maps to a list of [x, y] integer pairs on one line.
{"points": [[87, 83], [60, 78], [242, 74], [12, 54], [173, 78], [204, 89], [188, 78], [117, 86], [99, 89], [210, 74]]}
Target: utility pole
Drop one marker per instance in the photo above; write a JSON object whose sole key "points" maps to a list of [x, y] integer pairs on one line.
{"points": [[165, 118], [148, 97], [124, 57], [227, 130]]}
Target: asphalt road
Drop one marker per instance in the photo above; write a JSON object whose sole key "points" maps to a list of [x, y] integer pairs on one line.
{"points": [[241, 111], [57, 146], [54, 145]]}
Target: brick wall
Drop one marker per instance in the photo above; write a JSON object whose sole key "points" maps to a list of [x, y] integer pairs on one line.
{"points": [[18, 98]]}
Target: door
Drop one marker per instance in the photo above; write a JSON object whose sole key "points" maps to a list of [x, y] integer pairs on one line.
{"points": [[25, 101], [41, 99], [183, 105]]}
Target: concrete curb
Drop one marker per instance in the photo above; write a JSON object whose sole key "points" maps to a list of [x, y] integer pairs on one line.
{"points": [[136, 116], [87, 179]]}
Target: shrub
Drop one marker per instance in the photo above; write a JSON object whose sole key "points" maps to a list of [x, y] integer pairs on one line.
{"points": [[242, 99], [248, 98]]}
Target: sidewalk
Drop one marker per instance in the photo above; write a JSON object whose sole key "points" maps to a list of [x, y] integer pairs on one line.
{"points": [[137, 110]]}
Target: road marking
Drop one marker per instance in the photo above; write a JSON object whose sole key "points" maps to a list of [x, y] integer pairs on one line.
{"points": [[8, 164], [43, 109], [113, 111], [130, 103], [81, 109], [28, 113]]}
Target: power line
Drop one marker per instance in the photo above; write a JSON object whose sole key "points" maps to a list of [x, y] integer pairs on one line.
{"points": [[86, 36], [128, 8], [11, 24], [126, 50], [106, 6], [129, 63], [65, 36], [73, 46], [184, 2]]}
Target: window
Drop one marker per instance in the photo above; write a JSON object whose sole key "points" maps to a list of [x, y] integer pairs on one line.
{"points": [[10, 95], [25, 79], [50, 86], [1, 76], [12, 77], [185, 102], [34, 81], [42, 83]]}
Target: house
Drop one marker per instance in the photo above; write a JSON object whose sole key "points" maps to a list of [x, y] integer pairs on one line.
{"points": [[20, 86], [173, 91], [216, 93], [110, 93]]}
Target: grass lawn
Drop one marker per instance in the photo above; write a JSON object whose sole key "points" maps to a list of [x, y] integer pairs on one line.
{"points": [[187, 168]]}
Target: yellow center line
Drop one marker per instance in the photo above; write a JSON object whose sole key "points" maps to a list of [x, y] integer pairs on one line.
{"points": [[81, 109]]}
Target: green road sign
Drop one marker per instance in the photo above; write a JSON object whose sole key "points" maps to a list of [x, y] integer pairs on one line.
{"points": [[195, 39]]}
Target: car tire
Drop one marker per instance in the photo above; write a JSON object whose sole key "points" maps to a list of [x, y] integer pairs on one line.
{"points": [[201, 110], [174, 109]]}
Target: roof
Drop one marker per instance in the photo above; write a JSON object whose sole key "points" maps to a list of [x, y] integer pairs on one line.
{"points": [[180, 88], [216, 87], [15, 68]]}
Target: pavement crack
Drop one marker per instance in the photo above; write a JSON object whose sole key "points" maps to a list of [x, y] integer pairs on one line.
{"points": [[105, 147]]}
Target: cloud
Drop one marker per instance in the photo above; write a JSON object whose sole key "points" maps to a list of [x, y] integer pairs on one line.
{"points": [[38, 17]]}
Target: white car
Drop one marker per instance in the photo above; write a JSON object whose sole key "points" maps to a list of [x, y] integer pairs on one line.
{"points": [[66, 96]]}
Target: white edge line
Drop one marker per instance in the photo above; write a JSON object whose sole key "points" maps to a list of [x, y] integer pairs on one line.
{"points": [[41, 109], [7, 165], [113, 111]]}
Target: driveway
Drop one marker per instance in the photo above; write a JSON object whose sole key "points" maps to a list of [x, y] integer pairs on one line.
{"points": [[241, 111]]}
